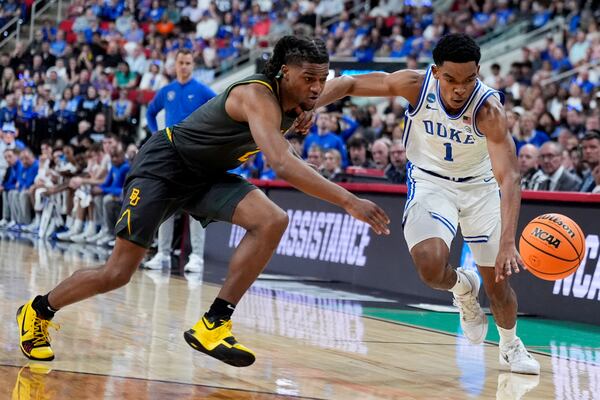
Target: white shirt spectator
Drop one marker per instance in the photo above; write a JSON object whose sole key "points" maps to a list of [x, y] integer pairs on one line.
{"points": [[207, 28]]}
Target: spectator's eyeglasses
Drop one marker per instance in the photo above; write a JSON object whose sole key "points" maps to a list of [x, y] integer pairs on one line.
{"points": [[548, 156]]}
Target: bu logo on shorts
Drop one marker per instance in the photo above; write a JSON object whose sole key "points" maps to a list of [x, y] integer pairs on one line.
{"points": [[134, 198]]}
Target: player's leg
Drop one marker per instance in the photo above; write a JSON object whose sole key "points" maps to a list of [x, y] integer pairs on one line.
{"points": [[430, 223], [236, 201], [146, 204], [481, 225]]}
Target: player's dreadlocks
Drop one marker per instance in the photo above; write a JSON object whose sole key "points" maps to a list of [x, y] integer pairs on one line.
{"points": [[456, 47], [295, 50]]}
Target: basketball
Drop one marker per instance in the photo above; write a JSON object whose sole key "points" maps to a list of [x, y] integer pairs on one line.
{"points": [[552, 246]]}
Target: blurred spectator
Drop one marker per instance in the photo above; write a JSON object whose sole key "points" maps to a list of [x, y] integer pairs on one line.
{"points": [[315, 156], [590, 145], [396, 170], [528, 133], [112, 192], [324, 138], [381, 153], [9, 185], [532, 177], [332, 164], [357, 148], [153, 79], [559, 179]]}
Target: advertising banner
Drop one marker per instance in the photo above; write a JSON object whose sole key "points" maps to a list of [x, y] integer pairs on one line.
{"points": [[324, 242]]}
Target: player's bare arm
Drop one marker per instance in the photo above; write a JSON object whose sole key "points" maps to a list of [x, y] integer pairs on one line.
{"points": [[257, 105], [491, 120], [405, 83]]}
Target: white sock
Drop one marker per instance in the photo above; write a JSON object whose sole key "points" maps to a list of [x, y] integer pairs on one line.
{"points": [[507, 335], [462, 285]]}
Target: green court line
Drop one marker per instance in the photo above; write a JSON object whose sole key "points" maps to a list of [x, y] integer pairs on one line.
{"points": [[537, 333]]}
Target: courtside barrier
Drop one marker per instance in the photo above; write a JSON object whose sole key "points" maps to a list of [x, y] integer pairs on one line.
{"points": [[324, 242]]}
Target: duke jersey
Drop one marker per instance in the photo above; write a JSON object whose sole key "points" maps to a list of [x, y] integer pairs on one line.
{"points": [[447, 144]]}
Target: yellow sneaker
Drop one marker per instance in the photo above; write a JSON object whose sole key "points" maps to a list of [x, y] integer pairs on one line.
{"points": [[215, 339], [31, 383], [33, 333]]}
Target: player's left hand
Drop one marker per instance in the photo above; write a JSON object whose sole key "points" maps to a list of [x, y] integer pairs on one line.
{"points": [[303, 122], [507, 261]]}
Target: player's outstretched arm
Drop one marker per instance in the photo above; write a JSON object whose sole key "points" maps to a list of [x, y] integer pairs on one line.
{"points": [[405, 83], [491, 120], [261, 110]]}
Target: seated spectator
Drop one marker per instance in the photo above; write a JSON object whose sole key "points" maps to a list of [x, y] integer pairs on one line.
{"points": [[9, 135], [121, 114], [20, 203], [332, 165], [532, 177], [98, 130], [9, 185], [559, 179], [315, 157], [396, 170], [112, 192], [42, 182], [153, 79], [528, 133], [357, 147], [381, 153], [590, 145], [124, 78], [324, 138]]}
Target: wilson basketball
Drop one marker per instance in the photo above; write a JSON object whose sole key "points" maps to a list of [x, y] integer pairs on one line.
{"points": [[552, 246]]}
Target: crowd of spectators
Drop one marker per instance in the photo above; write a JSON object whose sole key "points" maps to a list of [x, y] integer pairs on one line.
{"points": [[81, 84]]}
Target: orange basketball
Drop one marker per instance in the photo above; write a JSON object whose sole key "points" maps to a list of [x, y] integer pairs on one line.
{"points": [[552, 246]]}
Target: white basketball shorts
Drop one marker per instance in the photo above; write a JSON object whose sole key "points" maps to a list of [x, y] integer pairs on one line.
{"points": [[435, 207]]}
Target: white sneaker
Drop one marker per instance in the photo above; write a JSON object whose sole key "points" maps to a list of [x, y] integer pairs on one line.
{"points": [[104, 240], [34, 227], [94, 238], [515, 358], [515, 386], [65, 236], [158, 261], [473, 321], [3, 223], [194, 264]]}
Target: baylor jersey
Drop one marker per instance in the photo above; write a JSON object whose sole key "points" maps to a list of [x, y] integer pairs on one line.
{"points": [[210, 139]]}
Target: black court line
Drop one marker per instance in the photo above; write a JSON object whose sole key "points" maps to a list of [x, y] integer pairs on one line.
{"points": [[170, 382]]}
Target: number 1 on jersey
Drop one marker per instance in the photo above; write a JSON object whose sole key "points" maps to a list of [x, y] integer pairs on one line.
{"points": [[448, 152]]}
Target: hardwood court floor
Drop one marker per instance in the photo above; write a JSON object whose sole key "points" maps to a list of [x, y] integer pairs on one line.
{"points": [[128, 344]]}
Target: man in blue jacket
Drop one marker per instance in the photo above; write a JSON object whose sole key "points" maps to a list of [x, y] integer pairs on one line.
{"points": [[8, 185], [179, 99], [112, 190], [20, 203]]}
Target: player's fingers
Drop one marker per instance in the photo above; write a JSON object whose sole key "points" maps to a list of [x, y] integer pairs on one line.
{"points": [[521, 262], [515, 265], [507, 268]]}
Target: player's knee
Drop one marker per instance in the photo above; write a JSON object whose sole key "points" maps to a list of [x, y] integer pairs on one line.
{"points": [[430, 266], [277, 222]]}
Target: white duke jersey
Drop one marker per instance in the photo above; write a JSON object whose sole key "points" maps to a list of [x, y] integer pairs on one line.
{"points": [[445, 144]]}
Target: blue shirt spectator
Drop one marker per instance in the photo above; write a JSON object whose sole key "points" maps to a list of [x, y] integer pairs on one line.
{"points": [[325, 139], [29, 170], [179, 100], [115, 180], [12, 175]]}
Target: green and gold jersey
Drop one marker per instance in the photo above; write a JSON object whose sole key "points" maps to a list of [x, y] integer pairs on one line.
{"points": [[209, 139]]}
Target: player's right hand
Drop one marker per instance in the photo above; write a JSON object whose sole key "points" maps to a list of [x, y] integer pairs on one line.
{"points": [[369, 212]]}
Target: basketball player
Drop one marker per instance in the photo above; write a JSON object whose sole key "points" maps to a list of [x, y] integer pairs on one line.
{"points": [[460, 152], [184, 167]]}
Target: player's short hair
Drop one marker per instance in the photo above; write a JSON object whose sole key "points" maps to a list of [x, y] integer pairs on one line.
{"points": [[292, 50], [458, 48]]}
